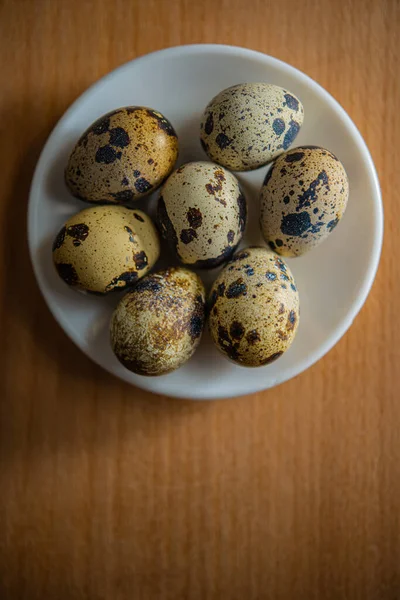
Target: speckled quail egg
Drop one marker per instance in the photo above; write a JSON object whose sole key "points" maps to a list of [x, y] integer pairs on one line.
{"points": [[248, 125], [105, 248], [254, 308], [157, 326], [124, 155], [202, 213], [303, 198]]}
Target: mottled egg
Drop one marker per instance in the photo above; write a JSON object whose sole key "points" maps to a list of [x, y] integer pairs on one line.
{"points": [[105, 248], [303, 198], [254, 308], [202, 213], [124, 155], [157, 326], [248, 125]]}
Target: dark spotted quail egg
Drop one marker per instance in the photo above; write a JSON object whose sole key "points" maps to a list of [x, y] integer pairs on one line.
{"points": [[124, 155], [254, 308], [104, 248], [202, 213], [157, 326], [248, 125], [303, 198]]}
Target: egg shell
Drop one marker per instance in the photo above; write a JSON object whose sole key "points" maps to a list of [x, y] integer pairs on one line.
{"points": [[248, 125], [202, 213], [105, 248], [123, 156], [254, 308], [303, 198], [158, 325]]}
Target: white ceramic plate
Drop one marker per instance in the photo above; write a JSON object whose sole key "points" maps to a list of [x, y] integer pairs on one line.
{"points": [[333, 281]]}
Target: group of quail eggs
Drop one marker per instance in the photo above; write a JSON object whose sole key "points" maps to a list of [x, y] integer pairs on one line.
{"points": [[253, 305]]}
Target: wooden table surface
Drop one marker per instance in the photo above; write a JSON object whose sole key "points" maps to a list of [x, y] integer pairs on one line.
{"points": [[109, 492]]}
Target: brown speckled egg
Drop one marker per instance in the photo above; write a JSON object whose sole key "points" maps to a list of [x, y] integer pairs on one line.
{"points": [[124, 155], [254, 308], [202, 213], [303, 198], [158, 325], [105, 248], [248, 125]]}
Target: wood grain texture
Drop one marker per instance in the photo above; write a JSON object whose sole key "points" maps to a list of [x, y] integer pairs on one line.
{"points": [[108, 492]]}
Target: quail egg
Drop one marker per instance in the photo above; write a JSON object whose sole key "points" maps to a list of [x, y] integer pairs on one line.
{"points": [[124, 155], [202, 213], [303, 198], [105, 248], [157, 326], [254, 308], [248, 125]]}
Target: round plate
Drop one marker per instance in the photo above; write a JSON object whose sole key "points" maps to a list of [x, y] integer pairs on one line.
{"points": [[333, 281]]}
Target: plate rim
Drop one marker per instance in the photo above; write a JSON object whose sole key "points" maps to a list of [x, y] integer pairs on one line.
{"points": [[367, 282]]}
